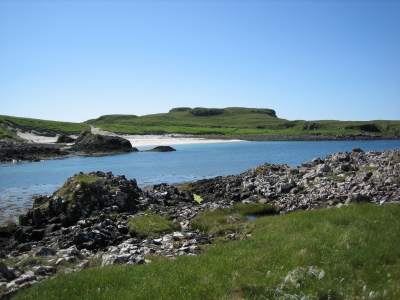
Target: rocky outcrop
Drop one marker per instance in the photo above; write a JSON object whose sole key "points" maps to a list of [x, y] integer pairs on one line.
{"points": [[338, 179], [162, 149], [63, 139], [85, 144], [96, 143], [82, 196], [14, 151]]}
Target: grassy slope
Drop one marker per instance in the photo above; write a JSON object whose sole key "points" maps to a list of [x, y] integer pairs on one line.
{"points": [[236, 121], [5, 133], [357, 247], [40, 125]]}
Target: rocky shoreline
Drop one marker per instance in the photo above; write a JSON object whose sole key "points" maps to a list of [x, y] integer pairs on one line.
{"points": [[310, 137], [90, 144], [87, 144], [86, 222], [15, 151]]}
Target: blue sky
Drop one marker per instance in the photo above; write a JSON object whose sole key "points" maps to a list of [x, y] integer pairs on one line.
{"points": [[75, 60]]}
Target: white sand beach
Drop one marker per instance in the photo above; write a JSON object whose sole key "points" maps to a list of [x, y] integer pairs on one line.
{"points": [[167, 140], [162, 139], [136, 140]]}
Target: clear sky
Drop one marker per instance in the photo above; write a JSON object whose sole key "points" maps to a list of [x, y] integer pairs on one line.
{"points": [[75, 60]]}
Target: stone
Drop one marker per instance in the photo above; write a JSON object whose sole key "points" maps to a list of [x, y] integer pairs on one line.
{"points": [[5, 272], [323, 168], [345, 167], [162, 149], [45, 251], [96, 143], [37, 234], [286, 187], [26, 277], [24, 247], [8, 230], [108, 259], [178, 235], [44, 270], [71, 251]]}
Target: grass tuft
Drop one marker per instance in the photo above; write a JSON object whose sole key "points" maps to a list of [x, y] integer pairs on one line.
{"points": [[230, 220], [150, 225]]}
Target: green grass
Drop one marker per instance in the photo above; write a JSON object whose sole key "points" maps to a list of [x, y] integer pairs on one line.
{"points": [[6, 133], [237, 121], [150, 225], [230, 220], [357, 247], [86, 178], [43, 125], [68, 190]]}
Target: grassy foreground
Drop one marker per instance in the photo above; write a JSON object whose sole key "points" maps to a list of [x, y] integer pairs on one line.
{"points": [[347, 253]]}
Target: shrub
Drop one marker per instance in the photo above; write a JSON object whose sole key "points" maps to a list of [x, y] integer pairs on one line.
{"points": [[206, 112], [365, 127], [180, 109]]}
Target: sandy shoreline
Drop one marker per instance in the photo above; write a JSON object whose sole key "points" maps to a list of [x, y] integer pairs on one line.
{"points": [[168, 140], [162, 139], [136, 140]]}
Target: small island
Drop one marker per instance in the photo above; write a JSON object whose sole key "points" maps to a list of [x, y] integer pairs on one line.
{"points": [[162, 149]]}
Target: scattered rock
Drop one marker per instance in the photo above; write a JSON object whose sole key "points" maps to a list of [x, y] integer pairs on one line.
{"points": [[96, 143], [6, 273], [18, 151], [45, 251], [162, 149]]}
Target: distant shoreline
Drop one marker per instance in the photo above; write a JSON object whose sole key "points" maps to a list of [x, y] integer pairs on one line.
{"points": [[271, 138]]}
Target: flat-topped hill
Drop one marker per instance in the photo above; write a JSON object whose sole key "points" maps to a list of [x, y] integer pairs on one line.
{"points": [[197, 120], [241, 122]]}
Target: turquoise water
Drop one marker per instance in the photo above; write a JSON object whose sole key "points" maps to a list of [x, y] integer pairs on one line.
{"points": [[18, 182]]}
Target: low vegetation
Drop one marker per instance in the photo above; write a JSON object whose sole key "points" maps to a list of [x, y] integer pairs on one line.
{"points": [[6, 133], [230, 220], [150, 225], [345, 253], [67, 190]]}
